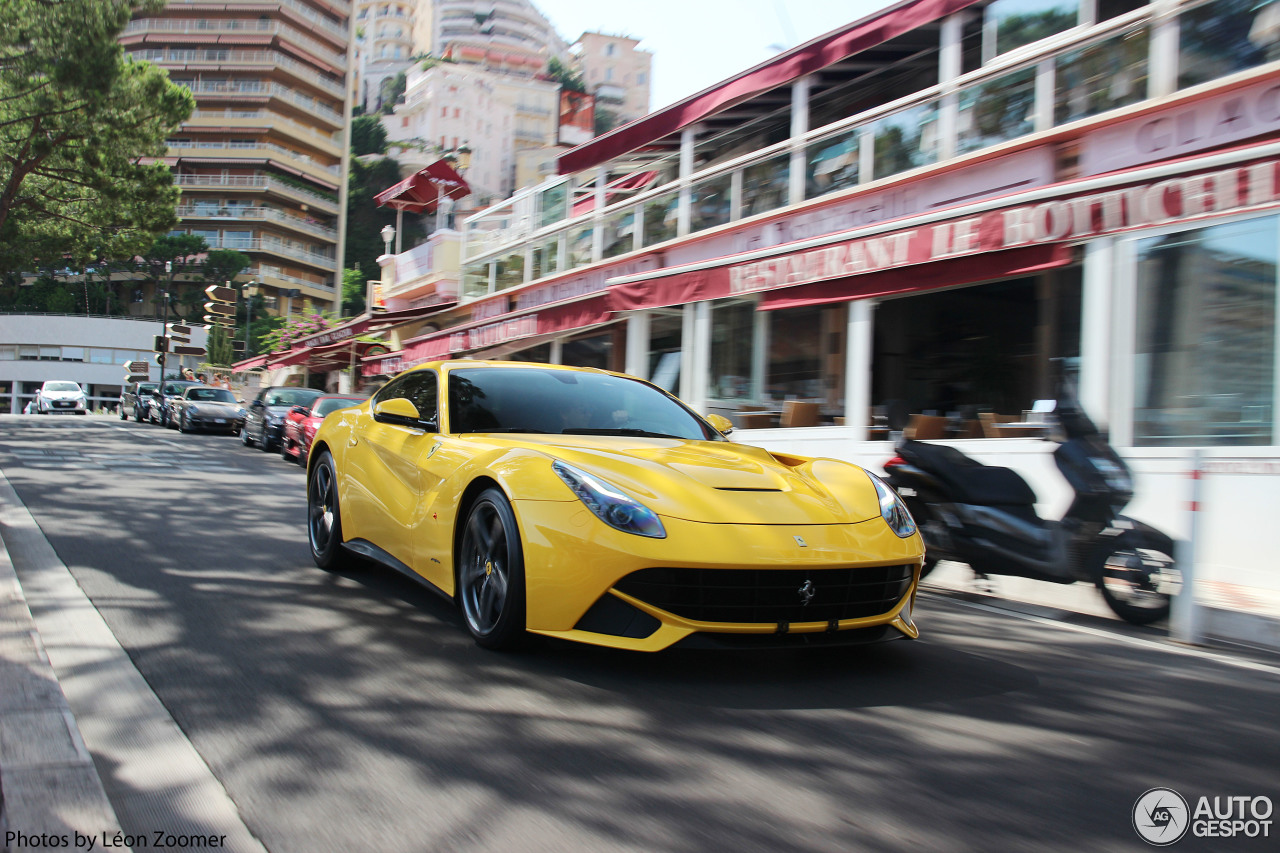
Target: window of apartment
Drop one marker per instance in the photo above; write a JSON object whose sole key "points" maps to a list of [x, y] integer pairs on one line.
{"points": [[640, 78], [610, 49], [1206, 336], [709, 202], [73, 353], [906, 140], [765, 185], [831, 163]]}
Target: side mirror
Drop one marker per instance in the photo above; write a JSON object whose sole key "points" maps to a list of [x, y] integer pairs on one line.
{"points": [[722, 424], [399, 410], [300, 410], [257, 404]]}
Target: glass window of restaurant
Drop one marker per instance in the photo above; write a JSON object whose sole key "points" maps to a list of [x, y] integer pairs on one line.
{"points": [[801, 356], [990, 347], [1205, 365], [595, 348]]}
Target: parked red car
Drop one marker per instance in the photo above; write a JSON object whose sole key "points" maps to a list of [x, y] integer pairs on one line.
{"points": [[301, 423]]}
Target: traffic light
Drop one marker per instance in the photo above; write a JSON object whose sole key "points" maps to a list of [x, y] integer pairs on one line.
{"points": [[160, 343]]}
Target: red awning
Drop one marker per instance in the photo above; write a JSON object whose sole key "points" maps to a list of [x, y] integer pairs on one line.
{"points": [[423, 190], [781, 70], [988, 266]]}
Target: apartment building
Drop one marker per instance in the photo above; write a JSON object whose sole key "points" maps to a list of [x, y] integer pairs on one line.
{"points": [[385, 44], [617, 73], [262, 161]]}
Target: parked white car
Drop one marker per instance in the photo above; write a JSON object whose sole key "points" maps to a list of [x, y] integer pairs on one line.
{"points": [[61, 397]]}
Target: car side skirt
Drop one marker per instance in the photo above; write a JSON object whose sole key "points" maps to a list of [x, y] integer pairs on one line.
{"points": [[365, 548]]}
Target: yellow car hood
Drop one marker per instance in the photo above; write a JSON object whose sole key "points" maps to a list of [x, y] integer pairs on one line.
{"points": [[720, 482]]}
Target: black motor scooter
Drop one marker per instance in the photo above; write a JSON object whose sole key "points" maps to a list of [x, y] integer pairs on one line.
{"points": [[985, 516]]}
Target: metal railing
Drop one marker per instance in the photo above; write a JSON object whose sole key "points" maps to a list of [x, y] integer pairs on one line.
{"points": [[205, 26], [196, 211], [256, 182], [223, 56], [259, 87], [274, 120]]}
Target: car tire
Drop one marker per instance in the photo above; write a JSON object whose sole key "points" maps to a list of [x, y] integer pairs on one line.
{"points": [[182, 423], [491, 583], [324, 519], [244, 437], [124, 414], [265, 445], [284, 451]]}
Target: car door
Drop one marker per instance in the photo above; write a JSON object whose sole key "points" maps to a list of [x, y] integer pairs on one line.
{"points": [[384, 477]]}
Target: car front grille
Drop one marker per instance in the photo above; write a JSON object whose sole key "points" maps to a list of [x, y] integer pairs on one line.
{"points": [[774, 596]]}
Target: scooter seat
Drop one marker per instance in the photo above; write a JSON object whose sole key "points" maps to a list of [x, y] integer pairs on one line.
{"points": [[970, 480]]}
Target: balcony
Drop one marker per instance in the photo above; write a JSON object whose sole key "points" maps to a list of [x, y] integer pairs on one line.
{"points": [[276, 246], [274, 276], [261, 214], [224, 58], [257, 183], [263, 121], [260, 88], [256, 150], [314, 18], [207, 27]]}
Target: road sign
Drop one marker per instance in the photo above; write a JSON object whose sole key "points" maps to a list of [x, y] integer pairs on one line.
{"points": [[137, 366], [219, 308], [160, 344], [218, 293], [179, 333], [221, 322], [183, 350], [137, 377]]}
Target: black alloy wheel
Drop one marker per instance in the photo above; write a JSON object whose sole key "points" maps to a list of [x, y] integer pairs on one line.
{"points": [[1134, 573], [182, 423], [491, 583], [284, 451], [244, 436], [324, 521]]}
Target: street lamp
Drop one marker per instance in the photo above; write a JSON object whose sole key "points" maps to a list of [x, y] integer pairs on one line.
{"points": [[388, 234]]}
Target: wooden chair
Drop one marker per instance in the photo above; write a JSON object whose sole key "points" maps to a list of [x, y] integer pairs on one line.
{"points": [[989, 421], [799, 414], [925, 427]]}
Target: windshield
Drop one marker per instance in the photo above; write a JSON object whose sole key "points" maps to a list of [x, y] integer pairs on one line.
{"points": [[61, 386], [290, 397], [211, 395], [525, 399], [332, 404]]}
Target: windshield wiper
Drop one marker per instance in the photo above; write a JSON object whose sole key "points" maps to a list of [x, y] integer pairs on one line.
{"points": [[511, 429], [643, 433]]}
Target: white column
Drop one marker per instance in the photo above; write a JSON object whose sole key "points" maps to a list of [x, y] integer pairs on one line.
{"points": [[857, 368], [686, 352], [1096, 332], [637, 360], [702, 354], [688, 138], [557, 352], [760, 355], [1163, 50], [799, 126]]}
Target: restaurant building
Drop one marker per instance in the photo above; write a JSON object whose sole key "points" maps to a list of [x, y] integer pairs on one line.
{"points": [[919, 221]]}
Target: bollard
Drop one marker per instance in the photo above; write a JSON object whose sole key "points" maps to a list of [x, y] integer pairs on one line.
{"points": [[1185, 619]]}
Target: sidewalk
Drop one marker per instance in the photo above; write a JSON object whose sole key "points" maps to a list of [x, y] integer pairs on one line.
{"points": [[1231, 614], [48, 783]]}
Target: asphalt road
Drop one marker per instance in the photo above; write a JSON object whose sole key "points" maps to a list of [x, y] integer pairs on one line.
{"points": [[352, 713]]}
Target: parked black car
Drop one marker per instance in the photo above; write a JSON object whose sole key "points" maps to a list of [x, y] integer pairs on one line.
{"points": [[162, 399], [205, 407], [135, 398], [265, 422]]}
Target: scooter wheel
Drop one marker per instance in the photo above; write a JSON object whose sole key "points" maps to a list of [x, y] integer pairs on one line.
{"points": [[1133, 576]]}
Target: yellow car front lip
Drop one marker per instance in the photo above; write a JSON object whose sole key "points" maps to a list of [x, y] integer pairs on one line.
{"points": [[572, 560]]}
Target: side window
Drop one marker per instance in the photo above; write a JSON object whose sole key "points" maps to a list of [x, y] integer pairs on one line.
{"points": [[418, 388]]}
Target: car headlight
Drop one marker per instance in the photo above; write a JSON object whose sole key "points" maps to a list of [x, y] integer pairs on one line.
{"points": [[610, 504], [892, 509]]}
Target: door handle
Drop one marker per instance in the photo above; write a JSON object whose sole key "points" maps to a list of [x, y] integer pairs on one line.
{"points": [[351, 441]]}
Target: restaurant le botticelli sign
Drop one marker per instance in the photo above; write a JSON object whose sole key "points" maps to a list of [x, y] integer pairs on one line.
{"points": [[990, 240], [994, 240]]}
